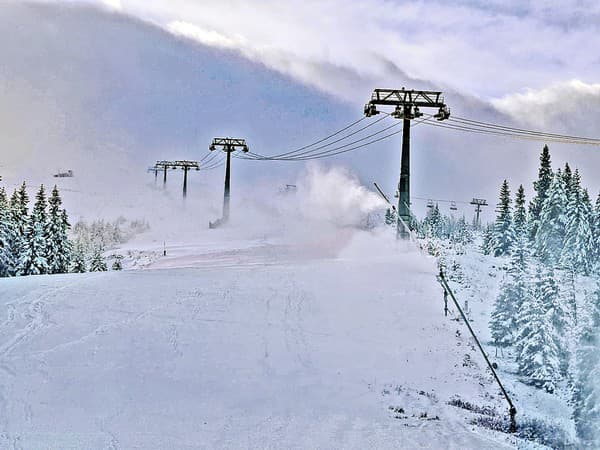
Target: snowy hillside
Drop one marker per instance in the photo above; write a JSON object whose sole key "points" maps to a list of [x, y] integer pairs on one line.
{"points": [[260, 350]]}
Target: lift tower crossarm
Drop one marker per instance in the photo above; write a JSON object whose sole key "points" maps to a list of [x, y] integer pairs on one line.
{"points": [[395, 97], [184, 164]]}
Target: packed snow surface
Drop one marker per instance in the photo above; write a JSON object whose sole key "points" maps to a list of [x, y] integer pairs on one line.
{"points": [[252, 345]]}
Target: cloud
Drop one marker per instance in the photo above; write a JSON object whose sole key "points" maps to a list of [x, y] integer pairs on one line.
{"points": [[483, 49], [570, 105]]}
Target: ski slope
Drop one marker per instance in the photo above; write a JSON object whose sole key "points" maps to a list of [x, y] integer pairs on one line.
{"points": [[263, 348]]}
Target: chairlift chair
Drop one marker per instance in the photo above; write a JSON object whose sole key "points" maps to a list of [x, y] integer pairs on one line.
{"points": [[453, 206]]}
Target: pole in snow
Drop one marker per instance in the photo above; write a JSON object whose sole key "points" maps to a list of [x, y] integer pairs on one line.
{"points": [[227, 145]]}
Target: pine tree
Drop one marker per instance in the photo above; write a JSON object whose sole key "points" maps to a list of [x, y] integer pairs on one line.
{"points": [[33, 260], [487, 245], [538, 358], [520, 216], [550, 237], [78, 264], [7, 237], [596, 231], [434, 223], [577, 251], [541, 186], [98, 263], [117, 265], [568, 180], [19, 213], [504, 234], [514, 292], [586, 393], [59, 246]]}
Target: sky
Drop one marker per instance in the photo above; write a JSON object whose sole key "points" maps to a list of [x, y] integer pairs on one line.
{"points": [[522, 63]]}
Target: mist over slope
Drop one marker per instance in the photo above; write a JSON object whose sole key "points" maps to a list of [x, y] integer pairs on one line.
{"points": [[106, 95]]}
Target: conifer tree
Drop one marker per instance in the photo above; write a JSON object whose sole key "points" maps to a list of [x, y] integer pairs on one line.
{"points": [[78, 264], [514, 292], [577, 251], [568, 179], [541, 186], [34, 261], [596, 231], [98, 263], [19, 212], [550, 236], [7, 237], [487, 245], [504, 234], [586, 393], [59, 246], [538, 358], [520, 216]]}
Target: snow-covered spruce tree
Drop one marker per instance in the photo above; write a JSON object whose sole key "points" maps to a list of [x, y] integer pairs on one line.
{"points": [[514, 292], [586, 392], [117, 264], [7, 237], [520, 215], [504, 234], [538, 351], [59, 246], [434, 223], [541, 187], [596, 232], [568, 179], [19, 211], [98, 263], [488, 239], [33, 260], [78, 264], [577, 252], [549, 239]]}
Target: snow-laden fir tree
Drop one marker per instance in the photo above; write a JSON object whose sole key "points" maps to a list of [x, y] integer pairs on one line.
{"points": [[7, 237], [577, 251], [596, 232], [488, 240], [586, 392], [461, 232], [520, 214], [504, 233], [434, 223], [59, 247], [537, 343], [117, 264], [549, 239], [19, 212], [541, 186], [567, 175], [33, 260], [514, 292], [98, 263], [78, 264]]}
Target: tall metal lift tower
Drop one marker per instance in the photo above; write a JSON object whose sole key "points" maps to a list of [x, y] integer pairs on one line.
{"points": [[407, 107], [228, 145]]}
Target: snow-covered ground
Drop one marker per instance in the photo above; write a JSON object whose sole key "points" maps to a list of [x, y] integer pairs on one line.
{"points": [[253, 344]]}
